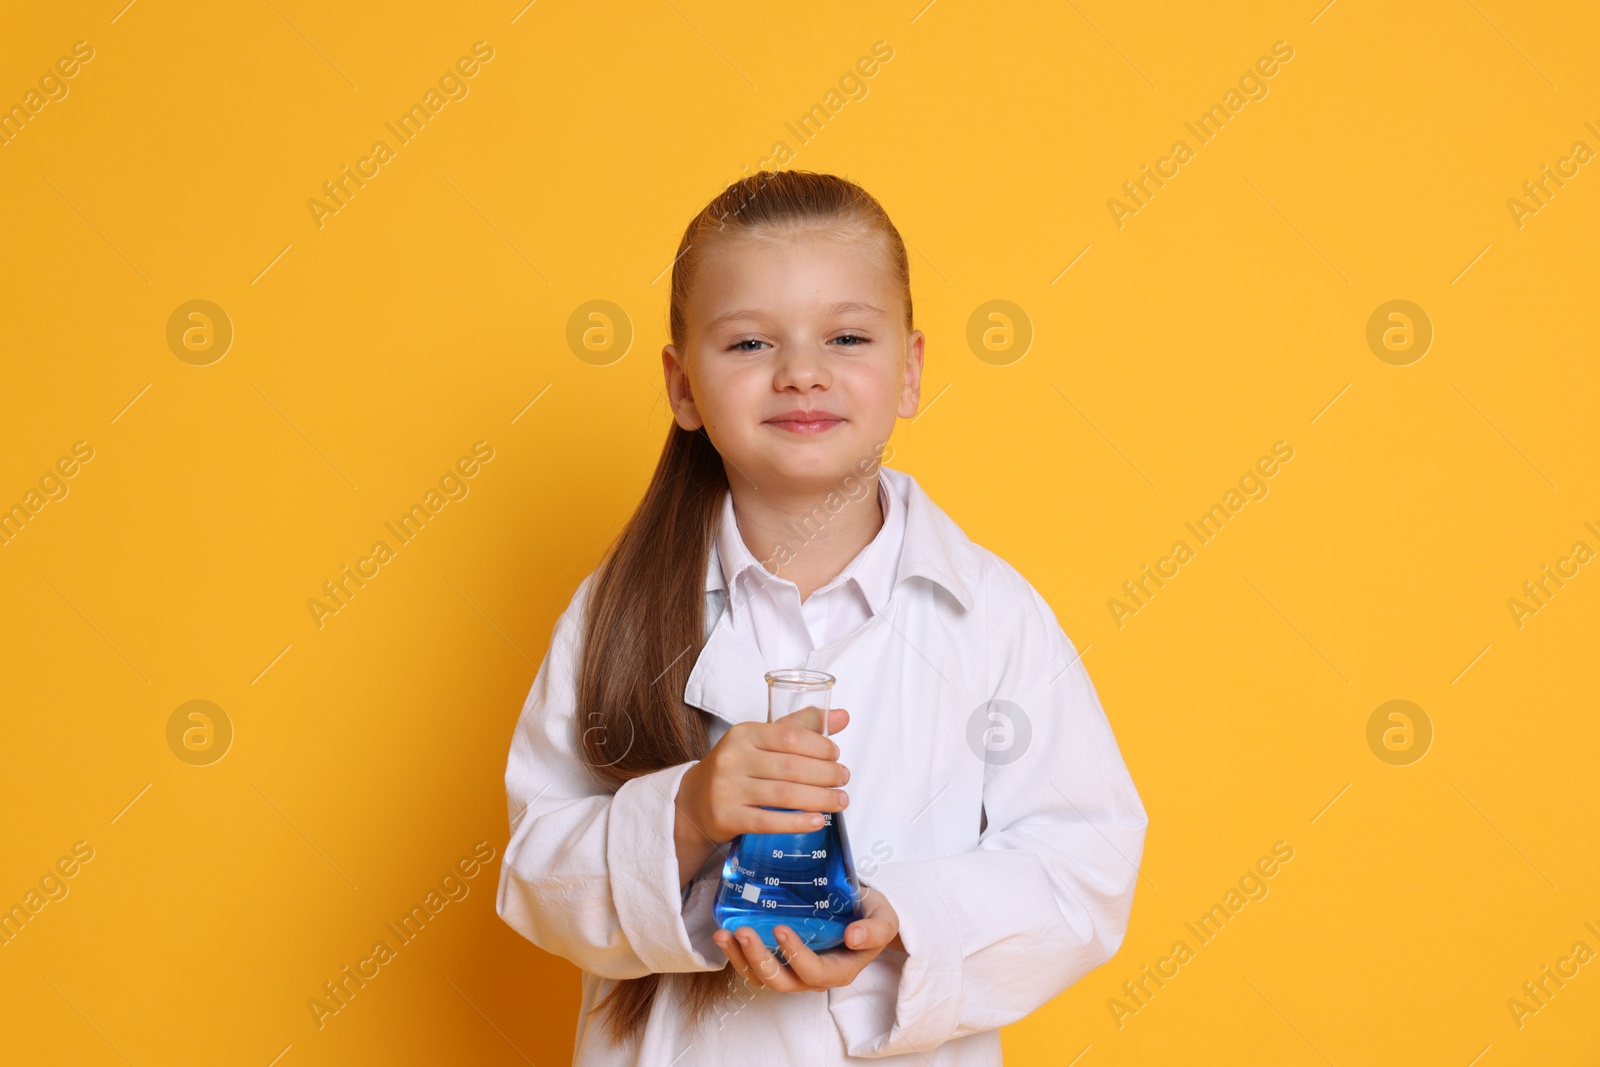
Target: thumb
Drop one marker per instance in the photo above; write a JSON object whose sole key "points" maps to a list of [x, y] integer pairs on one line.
{"points": [[869, 933]]}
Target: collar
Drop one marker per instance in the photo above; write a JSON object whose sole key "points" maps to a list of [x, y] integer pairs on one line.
{"points": [[725, 680], [933, 547]]}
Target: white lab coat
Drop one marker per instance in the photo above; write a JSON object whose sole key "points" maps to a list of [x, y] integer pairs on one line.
{"points": [[1007, 840]]}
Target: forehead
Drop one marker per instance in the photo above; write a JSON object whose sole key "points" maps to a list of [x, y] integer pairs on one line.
{"points": [[792, 271]]}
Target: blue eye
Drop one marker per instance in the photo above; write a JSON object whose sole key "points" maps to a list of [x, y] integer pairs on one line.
{"points": [[738, 346], [851, 337]]}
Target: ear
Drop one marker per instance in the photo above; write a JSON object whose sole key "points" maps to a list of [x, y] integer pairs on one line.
{"points": [[911, 382], [679, 397]]}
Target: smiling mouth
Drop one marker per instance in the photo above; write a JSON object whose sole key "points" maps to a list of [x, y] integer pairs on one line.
{"points": [[806, 422]]}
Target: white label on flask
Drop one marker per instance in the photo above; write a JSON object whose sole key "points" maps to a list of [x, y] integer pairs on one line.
{"points": [[751, 892]]}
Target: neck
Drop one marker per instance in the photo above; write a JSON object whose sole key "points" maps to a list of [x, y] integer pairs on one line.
{"points": [[797, 536]]}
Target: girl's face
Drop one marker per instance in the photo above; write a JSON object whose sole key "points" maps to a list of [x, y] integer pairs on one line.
{"points": [[797, 360]]}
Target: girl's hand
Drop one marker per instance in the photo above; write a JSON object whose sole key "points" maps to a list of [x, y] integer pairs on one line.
{"points": [[807, 970], [755, 766]]}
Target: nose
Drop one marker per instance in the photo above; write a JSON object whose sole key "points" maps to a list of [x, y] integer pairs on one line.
{"points": [[803, 368]]}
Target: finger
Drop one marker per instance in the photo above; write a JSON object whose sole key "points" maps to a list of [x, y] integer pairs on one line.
{"points": [[763, 963], [795, 797], [730, 948], [812, 969], [759, 820], [791, 734], [811, 719], [792, 767], [826, 970], [869, 934]]}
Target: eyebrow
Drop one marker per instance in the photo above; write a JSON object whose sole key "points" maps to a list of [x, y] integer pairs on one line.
{"points": [[844, 307]]}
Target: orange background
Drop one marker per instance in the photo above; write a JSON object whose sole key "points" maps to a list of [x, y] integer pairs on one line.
{"points": [[1166, 355]]}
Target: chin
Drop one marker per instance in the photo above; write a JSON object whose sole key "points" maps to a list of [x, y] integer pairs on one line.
{"points": [[807, 463]]}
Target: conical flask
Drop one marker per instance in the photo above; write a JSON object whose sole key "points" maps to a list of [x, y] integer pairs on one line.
{"points": [[807, 881]]}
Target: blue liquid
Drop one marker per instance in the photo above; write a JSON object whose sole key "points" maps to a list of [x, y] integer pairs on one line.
{"points": [[806, 882]]}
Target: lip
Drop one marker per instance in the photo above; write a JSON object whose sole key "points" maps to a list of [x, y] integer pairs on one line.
{"points": [[805, 421]]}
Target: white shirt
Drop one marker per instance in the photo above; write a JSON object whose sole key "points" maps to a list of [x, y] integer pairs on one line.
{"points": [[787, 629], [1007, 836]]}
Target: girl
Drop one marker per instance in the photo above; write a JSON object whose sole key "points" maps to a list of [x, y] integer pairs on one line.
{"points": [[997, 831]]}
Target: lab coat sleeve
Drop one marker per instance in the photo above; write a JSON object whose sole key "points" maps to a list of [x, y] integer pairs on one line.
{"points": [[588, 875], [994, 933]]}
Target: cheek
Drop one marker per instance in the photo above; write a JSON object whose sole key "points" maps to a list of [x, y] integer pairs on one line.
{"points": [[731, 399], [737, 393], [874, 387]]}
